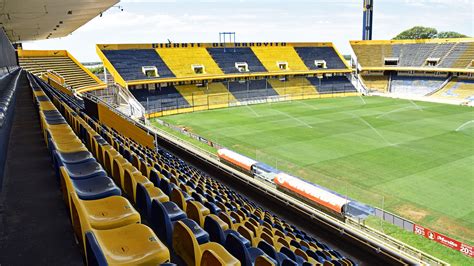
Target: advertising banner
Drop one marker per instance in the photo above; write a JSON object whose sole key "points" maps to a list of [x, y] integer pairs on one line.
{"points": [[444, 240]]}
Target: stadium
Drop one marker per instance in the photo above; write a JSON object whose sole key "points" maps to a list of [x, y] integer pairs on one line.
{"points": [[232, 153]]}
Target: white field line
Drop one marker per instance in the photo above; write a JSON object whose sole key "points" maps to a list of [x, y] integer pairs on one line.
{"points": [[394, 111], [294, 118], [463, 125], [373, 129], [308, 105], [253, 111]]}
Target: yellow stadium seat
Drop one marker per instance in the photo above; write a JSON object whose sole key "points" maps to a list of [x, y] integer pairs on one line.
{"points": [[186, 246], [134, 244], [197, 212], [263, 261], [211, 258]]}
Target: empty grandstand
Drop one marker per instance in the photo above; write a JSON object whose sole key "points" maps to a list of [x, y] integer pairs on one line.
{"points": [[243, 73], [420, 68], [86, 179], [61, 64]]}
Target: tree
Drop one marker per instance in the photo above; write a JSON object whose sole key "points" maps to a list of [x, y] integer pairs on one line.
{"points": [[417, 32], [450, 34], [420, 32]]}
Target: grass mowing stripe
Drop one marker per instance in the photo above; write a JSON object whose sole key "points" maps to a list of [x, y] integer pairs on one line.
{"points": [[345, 154]]}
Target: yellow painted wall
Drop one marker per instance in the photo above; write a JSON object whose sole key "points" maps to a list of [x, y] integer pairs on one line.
{"points": [[125, 127]]}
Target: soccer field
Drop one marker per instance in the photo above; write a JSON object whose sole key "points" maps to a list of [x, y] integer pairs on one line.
{"points": [[412, 158]]}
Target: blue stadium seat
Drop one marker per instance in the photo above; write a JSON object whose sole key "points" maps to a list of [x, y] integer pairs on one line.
{"points": [[163, 216]]}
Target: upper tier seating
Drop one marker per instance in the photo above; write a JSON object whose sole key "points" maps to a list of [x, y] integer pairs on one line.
{"points": [[328, 54], [181, 60], [460, 56], [270, 56], [200, 220], [412, 54], [372, 55], [418, 86], [334, 84], [226, 60], [450, 54], [165, 98], [73, 74], [251, 89], [129, 63]]}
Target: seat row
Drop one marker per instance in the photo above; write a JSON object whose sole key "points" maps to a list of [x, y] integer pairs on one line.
{"points": [[8, 83], [106, 225], [129, 178]]}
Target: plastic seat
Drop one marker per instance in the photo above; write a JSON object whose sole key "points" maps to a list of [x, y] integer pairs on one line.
{"points": [[95, 188], [131, 178], [134, 244], [213, 208], [190, 251], [84, 170], [110, 212], [126, 245], [271, 252], [238, 249], [145, 195], [265, 261], [162, 219], [74, 157], [196, 211]]}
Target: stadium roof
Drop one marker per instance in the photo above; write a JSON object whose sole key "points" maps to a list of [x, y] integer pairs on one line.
{"points": [[29, 20]]}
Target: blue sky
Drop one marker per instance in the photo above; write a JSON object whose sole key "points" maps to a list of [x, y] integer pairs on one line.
{"points": [[338, 21]]}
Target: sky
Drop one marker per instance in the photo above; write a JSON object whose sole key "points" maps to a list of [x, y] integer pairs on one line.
{"points": [[337, 21]]}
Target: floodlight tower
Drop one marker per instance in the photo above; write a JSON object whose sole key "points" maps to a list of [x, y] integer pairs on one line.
{"points": [[368, 19]]}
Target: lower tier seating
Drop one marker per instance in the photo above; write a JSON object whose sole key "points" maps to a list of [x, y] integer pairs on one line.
{"points": [[334, 84], [462, 89], [162, 99], [251, 90], [376, 83], [417, 86], [194, 219]]}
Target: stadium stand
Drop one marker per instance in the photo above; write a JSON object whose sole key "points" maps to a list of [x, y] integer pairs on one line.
{"points": [[439, 53], [462, 89], [296, 87], [376, 82], [162, 98], [414, 85], [129, 63], [194, 217], [62, 63], [181, 60], [334, 84], [328, 54], [226, 59], [251, 90], [460, 56], [210, 96], [270, 56]]}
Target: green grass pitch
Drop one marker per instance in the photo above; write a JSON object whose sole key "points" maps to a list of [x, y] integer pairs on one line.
{"points": [[408, 157]]}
